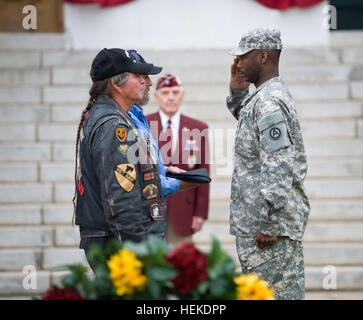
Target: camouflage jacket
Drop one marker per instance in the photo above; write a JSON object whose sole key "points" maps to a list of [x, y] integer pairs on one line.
{"points": [[270, 165]]}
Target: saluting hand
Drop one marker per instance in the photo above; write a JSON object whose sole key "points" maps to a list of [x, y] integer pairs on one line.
{"points": [[237, 80]]}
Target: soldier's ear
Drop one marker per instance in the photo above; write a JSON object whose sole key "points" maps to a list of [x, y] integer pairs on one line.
{"points": [[263, 57]]}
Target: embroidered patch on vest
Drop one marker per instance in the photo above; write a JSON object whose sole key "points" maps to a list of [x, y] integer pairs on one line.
{"points": [[151, 191], [149, 176], [156, 210], [121, 134], [125, 175], [123, 148]]}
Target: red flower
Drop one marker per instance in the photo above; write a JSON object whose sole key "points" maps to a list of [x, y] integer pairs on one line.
{"points": [[55, 293], [191, 264]]}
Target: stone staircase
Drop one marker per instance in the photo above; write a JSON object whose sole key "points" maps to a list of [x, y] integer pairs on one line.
{"points": [[44, 87]]}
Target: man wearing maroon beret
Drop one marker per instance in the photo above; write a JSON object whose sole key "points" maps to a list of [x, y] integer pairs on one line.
{"points": [[183, 142]]}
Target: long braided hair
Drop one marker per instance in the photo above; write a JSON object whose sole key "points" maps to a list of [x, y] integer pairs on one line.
{"points": [[101, 87]]}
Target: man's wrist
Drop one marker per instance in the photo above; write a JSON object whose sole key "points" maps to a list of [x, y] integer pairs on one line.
{"points": [[237, 92]]}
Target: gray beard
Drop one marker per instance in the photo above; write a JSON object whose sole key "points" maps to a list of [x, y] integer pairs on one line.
{"points": [[145, 99]]}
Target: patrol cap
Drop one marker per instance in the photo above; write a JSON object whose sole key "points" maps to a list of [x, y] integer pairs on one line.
{"points": [[110, 62], [260, 39]]}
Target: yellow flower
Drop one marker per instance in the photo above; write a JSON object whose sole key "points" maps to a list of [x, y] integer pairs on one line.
{"points": [[250, 287], [125, 272]]}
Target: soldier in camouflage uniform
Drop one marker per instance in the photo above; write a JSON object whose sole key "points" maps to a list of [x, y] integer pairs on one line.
{"points": [[269, 207]]}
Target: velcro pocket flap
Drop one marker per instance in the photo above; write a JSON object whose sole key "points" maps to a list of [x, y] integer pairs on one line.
{"points": [[271, 119]]}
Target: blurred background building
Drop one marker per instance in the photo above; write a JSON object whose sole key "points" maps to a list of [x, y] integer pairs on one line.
{"points": [[44, 82]]}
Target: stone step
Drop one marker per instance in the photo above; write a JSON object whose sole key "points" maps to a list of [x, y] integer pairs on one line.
{"points": [[18, 172], [315, 188], [26, 152], [61, 151], [31, 41], [20, 60], [67, 236], [63, 132], [187, 74], [345, 278], [12, 283], [316, 231], [321, 210], [25, 192], [53, 257], [357, 89], [212, 93], [346, 38], [16, 259], [40, 235], [327, 110], [347, 128], [184, 58], [352, 56], [26, 236], [208, 112], [334, 189], [61, 213], [25, 77], [334, 148], [21, 214], [172, 61], [219, 190], [221, 169], [22, 113], [315, 254]]}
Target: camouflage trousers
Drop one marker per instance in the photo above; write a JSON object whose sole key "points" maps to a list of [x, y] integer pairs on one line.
{"points": [[280, 264]]}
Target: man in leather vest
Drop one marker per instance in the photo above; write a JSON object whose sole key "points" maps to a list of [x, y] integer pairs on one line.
{"points": [[118, 189]]}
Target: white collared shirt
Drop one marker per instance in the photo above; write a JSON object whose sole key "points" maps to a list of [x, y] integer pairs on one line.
{"points": [[175, 122]]}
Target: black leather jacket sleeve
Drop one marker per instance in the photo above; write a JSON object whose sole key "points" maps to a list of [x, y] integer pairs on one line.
{"points": [[118, 177]]}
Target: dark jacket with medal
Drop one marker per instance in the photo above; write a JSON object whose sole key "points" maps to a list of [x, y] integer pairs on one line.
{"points": [[118, 185]]}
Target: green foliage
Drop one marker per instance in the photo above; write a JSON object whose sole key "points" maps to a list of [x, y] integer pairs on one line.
{"points": [[159, 273], [221, 271]]}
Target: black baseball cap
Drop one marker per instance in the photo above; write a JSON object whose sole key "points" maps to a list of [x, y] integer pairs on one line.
{"points": [[110, 62]]}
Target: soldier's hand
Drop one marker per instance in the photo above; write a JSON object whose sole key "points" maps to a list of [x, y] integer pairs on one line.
{"points": [[237, 80], [263, 240]]}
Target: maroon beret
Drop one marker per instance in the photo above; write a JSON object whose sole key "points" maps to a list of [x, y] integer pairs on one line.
{"points": [[167, 80]]}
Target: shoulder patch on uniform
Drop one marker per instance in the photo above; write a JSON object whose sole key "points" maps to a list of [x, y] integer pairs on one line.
{"points": [[275, 133], [121, 134], [125, 174], [270, 120]]}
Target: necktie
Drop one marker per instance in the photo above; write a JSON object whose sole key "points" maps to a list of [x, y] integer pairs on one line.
{"points": [[169, 141]]}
